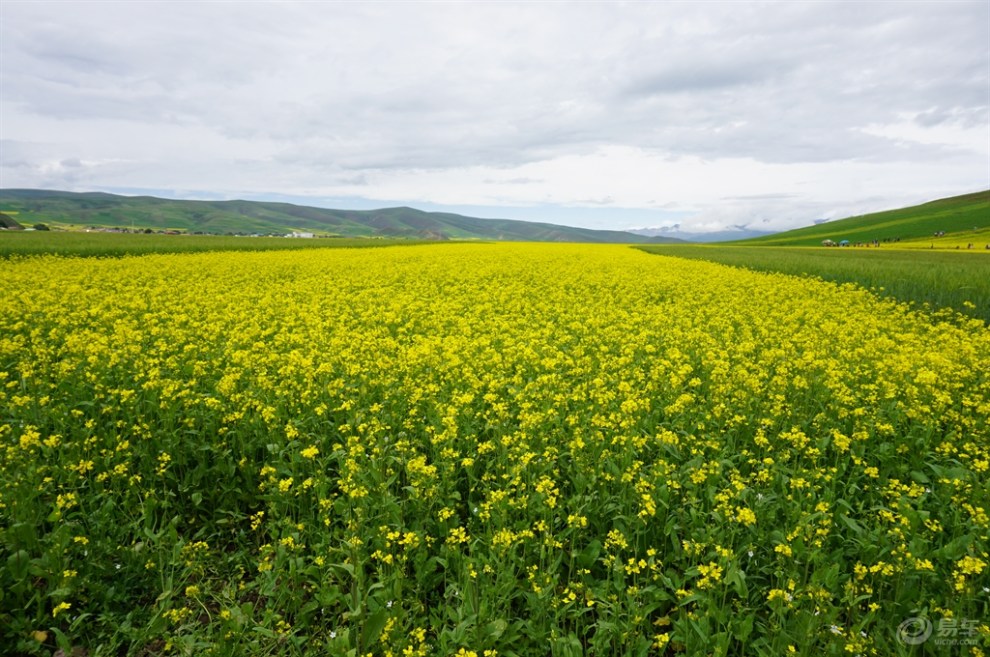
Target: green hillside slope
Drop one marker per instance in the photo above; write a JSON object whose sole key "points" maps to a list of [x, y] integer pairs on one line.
{"points": [[250, 217], [951, 215]]}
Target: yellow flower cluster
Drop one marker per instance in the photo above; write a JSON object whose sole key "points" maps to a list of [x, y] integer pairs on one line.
{"points": [[573, 442]]}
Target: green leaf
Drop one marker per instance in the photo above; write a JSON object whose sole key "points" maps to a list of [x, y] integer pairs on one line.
{"points": [[496, 628], [737, 578], [346, 567], [373, 627], [851, 524], [589, 555], [568, 646], [18, 563], [744, 628]]}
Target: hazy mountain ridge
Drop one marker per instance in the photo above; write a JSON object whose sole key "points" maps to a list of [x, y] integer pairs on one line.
{"points": [[732, 233], [263, 217]]}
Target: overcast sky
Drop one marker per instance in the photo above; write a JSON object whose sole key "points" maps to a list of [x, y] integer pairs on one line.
{"points": [[707, 114]]}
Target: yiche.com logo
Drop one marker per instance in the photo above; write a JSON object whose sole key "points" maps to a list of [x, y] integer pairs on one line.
{"points": [[914, 631]]}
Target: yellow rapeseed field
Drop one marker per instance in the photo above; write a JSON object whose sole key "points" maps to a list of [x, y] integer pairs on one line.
{"points": [[483, 449]]}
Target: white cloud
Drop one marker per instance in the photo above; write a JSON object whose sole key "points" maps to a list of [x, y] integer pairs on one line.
{"points": [[773, 114]]}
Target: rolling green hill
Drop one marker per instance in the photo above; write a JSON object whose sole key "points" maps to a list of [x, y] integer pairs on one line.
{"points": [[951, 215], [76, 210]]}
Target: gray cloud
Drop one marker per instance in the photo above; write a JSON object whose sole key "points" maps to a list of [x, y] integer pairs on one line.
{"points": [[323, 97]]}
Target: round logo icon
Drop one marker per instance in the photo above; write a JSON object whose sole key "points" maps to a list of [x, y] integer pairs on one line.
{"points": [[914, 631]]}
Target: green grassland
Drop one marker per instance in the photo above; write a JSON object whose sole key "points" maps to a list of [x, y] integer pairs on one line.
{"points": [[968, 239], [955, 215], [938, 279], [20, 243]]}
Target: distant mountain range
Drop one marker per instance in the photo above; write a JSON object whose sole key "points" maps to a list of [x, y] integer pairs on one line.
{"points": [[675, 232], [956, 214], [79, 210]]}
